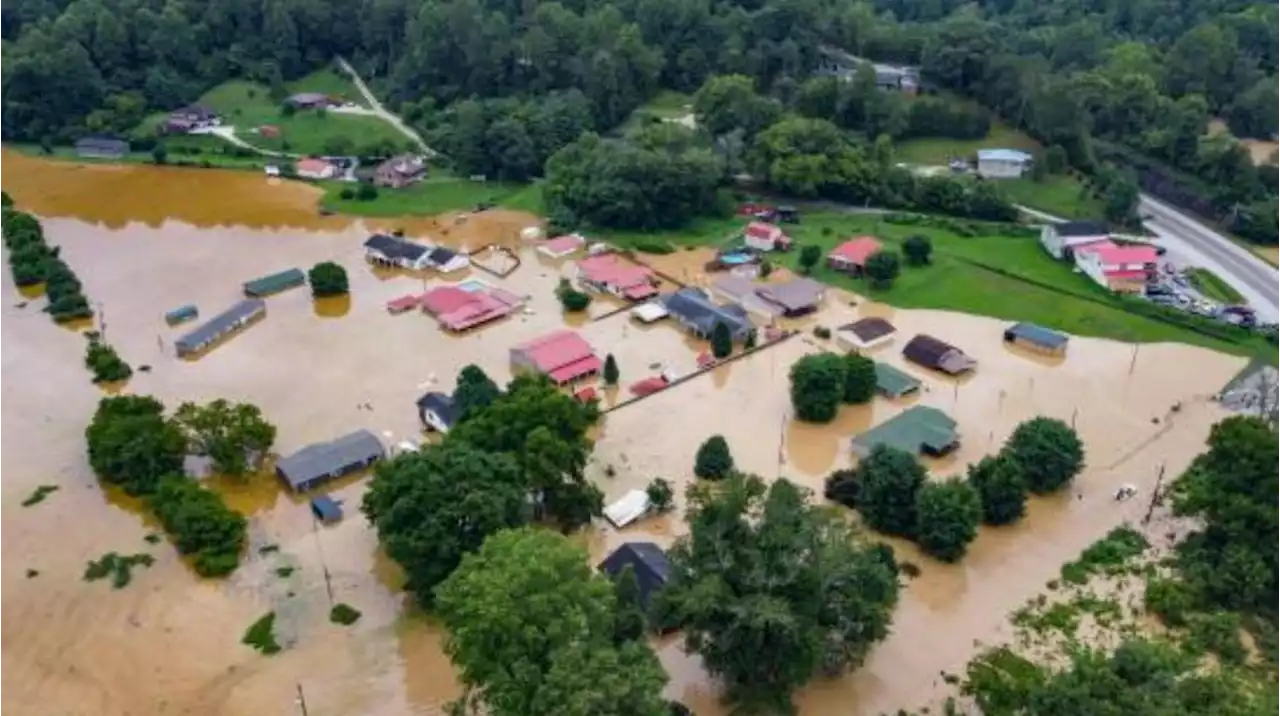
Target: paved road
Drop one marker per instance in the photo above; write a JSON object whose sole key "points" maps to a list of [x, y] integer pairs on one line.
{"points": [[1254, 278], [376, 108]]}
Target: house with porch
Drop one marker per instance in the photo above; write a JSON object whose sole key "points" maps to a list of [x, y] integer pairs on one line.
{"points": [[400, 171], [614, 275], [390, 250], [695, 310], [458, 309]]}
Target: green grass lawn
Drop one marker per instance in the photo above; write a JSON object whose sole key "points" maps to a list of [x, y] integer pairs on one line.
{"points": [[331, 82], [216, 156], [955, 280], [1212, 286], [1061, 195], [938, 151], [248, 105], [437, 194]]}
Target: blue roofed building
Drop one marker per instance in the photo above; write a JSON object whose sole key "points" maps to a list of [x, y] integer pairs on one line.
{"points": [[695, 310]]}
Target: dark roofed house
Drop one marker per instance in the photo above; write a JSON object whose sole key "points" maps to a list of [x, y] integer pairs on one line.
{"points": [[1036, 337], [447, 260], [395, 251], [919, 429], [647, 560], [865, 333], [101, 148], [400, 171], [189, 118], [939, 355], [696, 311], [436, 410], [310, 100], [321, 462], [230, 320]]}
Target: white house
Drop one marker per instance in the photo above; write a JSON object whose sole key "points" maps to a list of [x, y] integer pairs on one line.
{"points": [[865, 334], [395, 251], [1002, 163], [1118, 268], [1062, 239], [437, 412]]}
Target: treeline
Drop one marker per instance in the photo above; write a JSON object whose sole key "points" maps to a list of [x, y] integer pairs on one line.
{"points": [[133, 445], [33, 261]]}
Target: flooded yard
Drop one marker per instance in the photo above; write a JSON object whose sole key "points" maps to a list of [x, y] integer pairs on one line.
{"points": [[169, 642]]}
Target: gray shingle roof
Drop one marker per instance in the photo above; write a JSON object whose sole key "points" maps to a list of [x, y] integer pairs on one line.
{"points": [[218, 325], [396, 248], [695, 307], [1082, 228], [440, 404], [331, 458]]}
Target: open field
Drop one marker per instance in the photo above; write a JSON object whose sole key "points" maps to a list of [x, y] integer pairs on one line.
{"points": [[439, 193], [217, 153], [1062, 195], [957, 279], [310, 367], [940, 150], [331, 82], [667, 105]]}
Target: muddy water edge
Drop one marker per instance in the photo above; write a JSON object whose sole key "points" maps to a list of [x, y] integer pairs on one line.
{"points": [[145, 239]]}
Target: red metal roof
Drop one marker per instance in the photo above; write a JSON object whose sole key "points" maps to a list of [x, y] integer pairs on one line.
{"points": [[311, 165], [563, 244], [762, 230], [404, 303], [556, 350], [577, 369], [1112, 255], [856, 251], [705, 359], [610, 269], [649, 385], [640, 291], [445, 299], [482, 309]]}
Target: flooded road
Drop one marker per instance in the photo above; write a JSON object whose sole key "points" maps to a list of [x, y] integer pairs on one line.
{"points": [[145, 239]]}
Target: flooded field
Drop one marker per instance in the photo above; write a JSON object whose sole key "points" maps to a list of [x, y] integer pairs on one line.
{"points": [[143, 241]]}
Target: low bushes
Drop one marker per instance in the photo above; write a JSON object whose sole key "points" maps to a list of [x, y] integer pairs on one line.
{"points": [[105, 364], [344, 614], [261, 634], [33, 261], [201, 524], [118, 567], [572, 299]]}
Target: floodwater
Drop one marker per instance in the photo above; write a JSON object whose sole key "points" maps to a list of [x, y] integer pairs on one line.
{"points": [[146, 239]]}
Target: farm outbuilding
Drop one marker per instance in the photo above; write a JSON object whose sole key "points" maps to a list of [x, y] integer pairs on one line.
{"points": [[629, 508], [893, 383], [865, 333], [326, 509], [320, 462], [919, 429], [181, 314], [939, 355], [1037, 338], [274, 283], [230, 320]]}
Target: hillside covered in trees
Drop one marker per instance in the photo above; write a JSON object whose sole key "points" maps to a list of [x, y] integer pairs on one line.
{"points": [[1119, 86]]}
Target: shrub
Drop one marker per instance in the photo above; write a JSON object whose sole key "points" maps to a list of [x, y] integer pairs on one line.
{"points": [[721, 341], [347, 193], [842, 486], [859, 379], [118, 567], [610, 370], [39, 495], [654, 247], [105, 364], [661, 495], [1047, 451], [713, 461], [261, 634], [809, 257], [327, 279], [344, 614], [201, 524], [821, 332], [571, 299], [1218, 633], [882, 268], [1170, 599], [366, 192], [947, 517], [918, 250], [1001, 487]]}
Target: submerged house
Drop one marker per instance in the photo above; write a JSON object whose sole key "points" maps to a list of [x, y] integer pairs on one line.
{"points": [[795, 297], [561, 246], [837, 63], [447, 260], [390, 250], [627, 509], [939, 355], [893, 383], [457, 309], [101, 148], [612, 274], [919, 429], [1037, 338], [647, 561], [223, 324], [865, 333], [320, 462], [695, 310], [274, 283], [563, 356], [436, 411]]}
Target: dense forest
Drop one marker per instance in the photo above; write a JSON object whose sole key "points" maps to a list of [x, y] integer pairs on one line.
{"points": [[1124, 84]]}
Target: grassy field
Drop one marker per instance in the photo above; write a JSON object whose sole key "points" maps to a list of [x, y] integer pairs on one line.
{"points": [[1212, 286], [210, 152], [958, 279], [1061, 195], [248, 105], [330, 82], [665, 105], [938, 151], [437, 194]]}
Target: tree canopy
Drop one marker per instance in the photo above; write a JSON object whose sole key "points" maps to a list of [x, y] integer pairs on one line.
{"points": [[859, 379], [1001, 488], [327, 279], [947, 518], [234, 436], [818, 387], [888, 481], [1047, 451], [713, 461], [473, 392], [131, 443], [772, 591], [532, 632]]}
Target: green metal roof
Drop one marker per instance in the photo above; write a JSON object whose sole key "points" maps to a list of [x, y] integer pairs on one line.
{"points": [[893, 382], [912, 430], [268, 285], [1039, 335]]}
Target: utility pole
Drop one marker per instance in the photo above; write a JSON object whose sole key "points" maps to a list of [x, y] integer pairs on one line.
{"points": [[1074, 412], [302, 699], [1155, 495], [328, 585]]}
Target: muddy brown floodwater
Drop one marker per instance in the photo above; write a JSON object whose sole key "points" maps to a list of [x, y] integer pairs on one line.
{"points": [[145, 239]]}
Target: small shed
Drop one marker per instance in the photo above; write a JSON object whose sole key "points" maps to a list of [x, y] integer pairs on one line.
{"points": [[893, 383], [1037, 338], [326, 509], [320, 462], [181, 314], [274, 283], [649, 312], [937, 354], [647, 561], [629, 508]]}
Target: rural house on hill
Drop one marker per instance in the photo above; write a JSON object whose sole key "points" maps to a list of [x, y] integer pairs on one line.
{"points": [[939, 355], [851, 256], [1124, 269], [763, 236], [400, 171]]}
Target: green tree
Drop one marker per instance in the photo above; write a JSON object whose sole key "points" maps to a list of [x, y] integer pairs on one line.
{"points": [[366, 192], [631, 621], [6, 201], [131, 444], [1055, 159], [818, 387], [159, 153], [532, 633], [610, 370], [432, 507], [772, 591], [234, 436], [947, 518], [201, 524], [918, 249], [474, 392], [661, 495], [721, 341], [888, 481], [571, 299], [1047, 451], [105, 364], [727, 103], [882, 268], [859, 379], [713, 461], [544, 430], [327, 279], [810, 255], [1001, 487]]}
